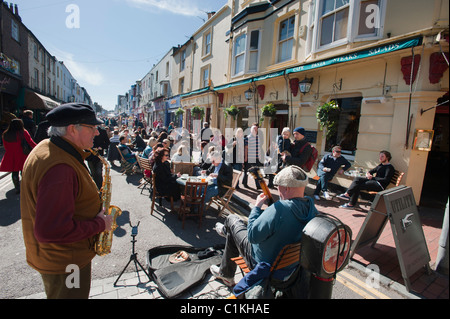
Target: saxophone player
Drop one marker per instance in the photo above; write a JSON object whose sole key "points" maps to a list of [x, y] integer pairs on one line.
{"points": [[60, 206]]}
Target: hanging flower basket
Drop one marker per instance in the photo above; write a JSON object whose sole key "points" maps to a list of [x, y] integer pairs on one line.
{"points": [[197, 112], [327, 115], [179, 112], [269, 110], [232, 110]]}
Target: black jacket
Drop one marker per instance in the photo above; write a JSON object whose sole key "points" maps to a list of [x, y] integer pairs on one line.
{"points": [[299, 158], [165, 182], [225, 177]]}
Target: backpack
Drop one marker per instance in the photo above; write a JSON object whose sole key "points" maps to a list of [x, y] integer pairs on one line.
{"points": [[311, 160]]}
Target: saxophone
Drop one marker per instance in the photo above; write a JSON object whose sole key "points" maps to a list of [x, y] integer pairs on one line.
{"points": [[103, 241]]}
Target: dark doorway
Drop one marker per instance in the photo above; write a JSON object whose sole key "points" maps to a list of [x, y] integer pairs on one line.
{"points": [[435, 190]]}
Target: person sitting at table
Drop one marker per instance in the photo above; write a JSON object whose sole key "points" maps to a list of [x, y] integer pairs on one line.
{"points": [[165, 182], [149, 148], [377, 179], [138, 143], [126, 151], [130, 164], [182, 155], [221, 174], [327, 168]]}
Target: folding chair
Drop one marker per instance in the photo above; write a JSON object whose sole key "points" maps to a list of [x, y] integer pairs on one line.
{"points": [[222, 202], [156, 195], [144, 164], [194, 197], [289, 255], [126, 167], [183, 168]]}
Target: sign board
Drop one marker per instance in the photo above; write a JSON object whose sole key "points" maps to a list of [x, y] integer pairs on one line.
{"points": [[399, 207], [311, 136]]}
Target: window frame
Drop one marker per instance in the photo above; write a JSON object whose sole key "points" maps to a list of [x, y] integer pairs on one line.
{"points": [[206, 44], [204, 84], [15, 31], [292, 38], [242, 54], [182, 60], [315, 26], [258, 51]]}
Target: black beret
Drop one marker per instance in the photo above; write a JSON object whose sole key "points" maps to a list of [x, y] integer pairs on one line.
{"points": [[73, 113]]}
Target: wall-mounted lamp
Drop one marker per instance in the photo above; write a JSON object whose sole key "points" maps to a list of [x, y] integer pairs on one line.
{"points": [[249, 94], [305, 85]]}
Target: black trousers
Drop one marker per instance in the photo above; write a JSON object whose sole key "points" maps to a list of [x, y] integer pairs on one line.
{"points": [[362, 183]]}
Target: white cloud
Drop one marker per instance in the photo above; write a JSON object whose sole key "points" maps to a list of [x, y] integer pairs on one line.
{"points": [[82, 73], [179, 7]]}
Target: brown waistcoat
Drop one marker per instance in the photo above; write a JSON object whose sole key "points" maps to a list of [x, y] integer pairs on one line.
{"points": [[54, 258]]}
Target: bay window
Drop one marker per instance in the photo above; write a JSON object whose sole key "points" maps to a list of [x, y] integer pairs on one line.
{"points": [[333, 23], [286, 39]]}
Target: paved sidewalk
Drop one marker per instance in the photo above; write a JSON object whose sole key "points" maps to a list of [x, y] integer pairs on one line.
{"points": [[383, 254]]}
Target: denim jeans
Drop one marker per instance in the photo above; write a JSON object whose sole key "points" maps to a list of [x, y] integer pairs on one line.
{"points": [[237, 244], [322, 183]]}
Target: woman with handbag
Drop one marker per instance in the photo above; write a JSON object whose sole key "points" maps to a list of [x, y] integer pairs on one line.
{"points": [[18, 144]]}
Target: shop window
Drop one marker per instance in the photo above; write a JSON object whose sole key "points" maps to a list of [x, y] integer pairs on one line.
{"points": [[345, 130]]}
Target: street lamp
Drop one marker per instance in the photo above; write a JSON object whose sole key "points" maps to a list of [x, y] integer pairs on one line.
{"points": [[249, 94], [305, 85]]}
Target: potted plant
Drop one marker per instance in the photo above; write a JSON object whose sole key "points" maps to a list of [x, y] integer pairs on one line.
{"points": [[327, 115], [198, 112], [232, 110], [269, 110]]}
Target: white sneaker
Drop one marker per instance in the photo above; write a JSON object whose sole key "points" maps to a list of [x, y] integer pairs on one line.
{"points": [[327, 196], [316, 197], [220, 229], [215, 271]]}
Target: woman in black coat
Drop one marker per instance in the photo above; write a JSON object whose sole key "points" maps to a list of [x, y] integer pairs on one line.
{"points": [[165, 182]]}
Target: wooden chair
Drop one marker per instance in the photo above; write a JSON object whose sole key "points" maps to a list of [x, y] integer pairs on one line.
{"points": [[144, 164], [156, 195], [183, 168], [194, 197], [289, 255], [126, 167], [222, 202]]}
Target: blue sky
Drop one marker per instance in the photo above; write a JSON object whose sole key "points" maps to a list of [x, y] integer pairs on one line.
{"points": [[117, 41]]}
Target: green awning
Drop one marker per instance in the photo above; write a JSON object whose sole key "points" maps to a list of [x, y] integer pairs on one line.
{"points": [[195, 92], [268, 76], [391, 47], [233, 84]]}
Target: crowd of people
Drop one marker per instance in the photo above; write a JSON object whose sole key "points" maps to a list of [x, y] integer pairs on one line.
{"points": [[69, 225]]}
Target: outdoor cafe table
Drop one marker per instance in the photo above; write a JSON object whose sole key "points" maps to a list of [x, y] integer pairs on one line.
{"points": [[184, 179]]}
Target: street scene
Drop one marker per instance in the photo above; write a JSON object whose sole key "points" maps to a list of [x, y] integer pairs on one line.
{"points": [[284, 150]]}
